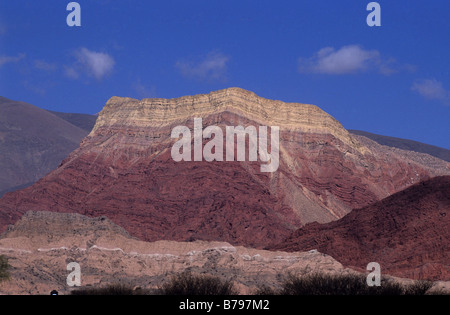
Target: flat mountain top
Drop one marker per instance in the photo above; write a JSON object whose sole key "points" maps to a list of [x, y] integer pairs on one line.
{"points": [[158, 112]]}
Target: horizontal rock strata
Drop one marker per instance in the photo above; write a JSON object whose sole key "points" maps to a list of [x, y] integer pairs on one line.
{"points": [[124, 170]]}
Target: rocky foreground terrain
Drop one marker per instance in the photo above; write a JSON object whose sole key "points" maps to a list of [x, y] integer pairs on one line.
{"points": [[41, 244]]}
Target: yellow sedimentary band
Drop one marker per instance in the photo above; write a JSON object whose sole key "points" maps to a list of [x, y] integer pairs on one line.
{"points": [[158, 112]]}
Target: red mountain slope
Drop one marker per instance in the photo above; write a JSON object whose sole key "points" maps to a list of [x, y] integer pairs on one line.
{"points": [[408, 233]]}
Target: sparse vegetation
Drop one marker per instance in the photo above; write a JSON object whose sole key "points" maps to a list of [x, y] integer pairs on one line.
{"points": [[181, 284], [189, 284], [112, 289], [326, 284], [420, 288], [4, 268]]}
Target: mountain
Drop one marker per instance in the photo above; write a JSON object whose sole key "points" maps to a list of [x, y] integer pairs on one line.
{"points": [[83, 121], [124, 170], [407, 233], [33, 142], [405, 144]]}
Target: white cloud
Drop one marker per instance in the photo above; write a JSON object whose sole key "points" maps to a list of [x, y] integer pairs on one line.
{"points": [[9, 59], [211, 67], [43, 65], [144, 91], [71, 72], [96, 64], [349, 59], [432, 89]]}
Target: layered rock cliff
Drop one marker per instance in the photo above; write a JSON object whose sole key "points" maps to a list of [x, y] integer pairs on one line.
{"points": [[130, 113], [124, 170]]}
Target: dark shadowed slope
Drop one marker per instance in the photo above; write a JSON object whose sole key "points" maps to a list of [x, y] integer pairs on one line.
{"points": [[408, 233], [405, 144], [32, 143]]}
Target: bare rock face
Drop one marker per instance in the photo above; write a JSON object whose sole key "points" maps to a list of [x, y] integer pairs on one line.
{"points": [[124, 170], [408, 234], [41, 245]]}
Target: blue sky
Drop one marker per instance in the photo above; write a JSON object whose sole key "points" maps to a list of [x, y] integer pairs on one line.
{"points": [[391, 80]]}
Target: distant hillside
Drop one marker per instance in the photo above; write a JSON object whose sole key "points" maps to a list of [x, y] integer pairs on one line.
{"points": [[405, 144], [33, 142], [83, 121]]}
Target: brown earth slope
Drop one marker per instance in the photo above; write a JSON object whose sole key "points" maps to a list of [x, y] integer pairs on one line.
{"points": [[408, 233], [124, 170]]}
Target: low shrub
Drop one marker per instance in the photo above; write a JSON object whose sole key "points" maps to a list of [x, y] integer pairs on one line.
{"points": [[329, 284], [113, 289], [4, 268], [189, 284]]}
